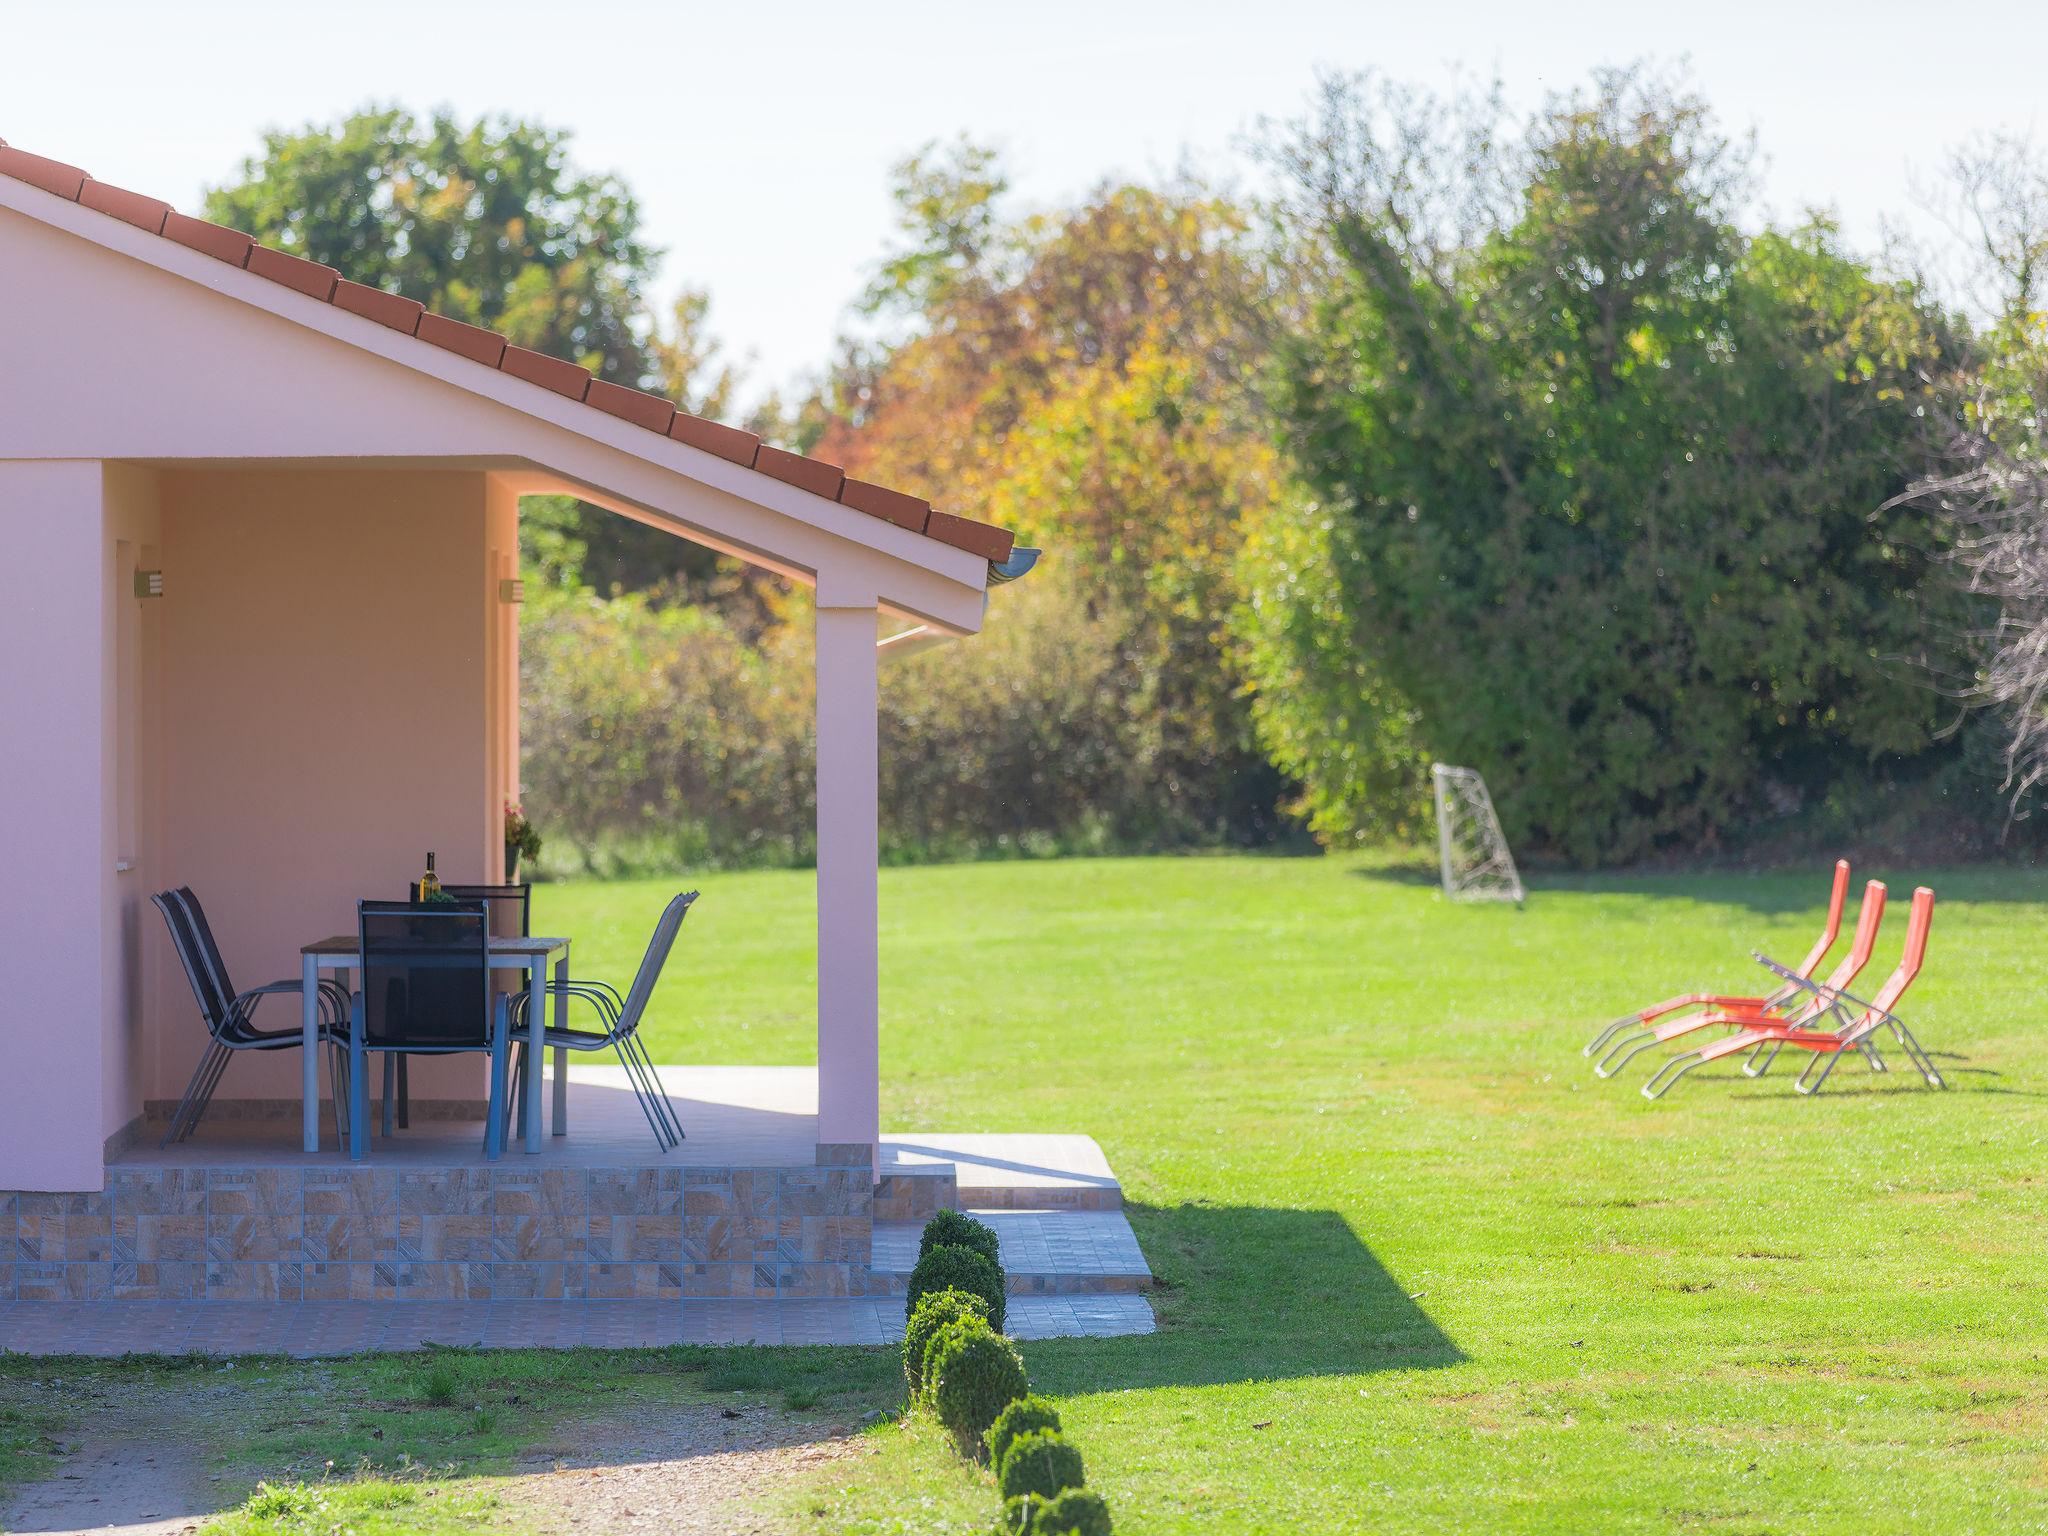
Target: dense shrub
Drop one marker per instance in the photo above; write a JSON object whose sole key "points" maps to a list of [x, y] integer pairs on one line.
{"points": [[960, 1231], [972, 1374], [1076, 1512], [928, 1318], [1039, 1461], [656, 736], [948, 1267], [1022, 1417], [659, 736], [1600, 487]]}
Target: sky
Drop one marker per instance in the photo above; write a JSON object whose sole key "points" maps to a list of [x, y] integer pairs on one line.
{"points": [[759, 139]]}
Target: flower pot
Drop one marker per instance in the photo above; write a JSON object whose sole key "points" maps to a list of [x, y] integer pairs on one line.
{"points": [[511, 864]]}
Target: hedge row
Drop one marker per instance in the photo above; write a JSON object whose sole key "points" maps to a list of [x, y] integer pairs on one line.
{"points": [[970, 1377]]}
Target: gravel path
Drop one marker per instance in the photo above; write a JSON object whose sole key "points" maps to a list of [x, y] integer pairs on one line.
{"points": [[115, 1482], [695, 1472]]}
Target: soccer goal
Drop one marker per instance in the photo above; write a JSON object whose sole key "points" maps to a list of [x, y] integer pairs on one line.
{"points": [[1476, 863]]}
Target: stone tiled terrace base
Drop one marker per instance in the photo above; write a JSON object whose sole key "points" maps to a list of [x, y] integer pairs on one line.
{"points": [[750, 1210], [316, 1328]]}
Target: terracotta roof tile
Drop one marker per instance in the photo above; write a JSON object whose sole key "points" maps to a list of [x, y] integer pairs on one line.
{"points": [[649, 411], [472, 342], [548, 372], [51, 175], [228, 245], [401, 315], [130, 207], [976, 538], [904, 511], [294, 272], [813, 475], [493, 351], [715, 437]]}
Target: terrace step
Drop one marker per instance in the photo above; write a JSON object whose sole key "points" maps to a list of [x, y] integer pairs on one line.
{"points": [[1044, 1253], [1007, 1172]]}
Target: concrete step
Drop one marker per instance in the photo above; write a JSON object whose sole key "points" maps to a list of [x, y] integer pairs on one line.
{"points": [[1044, 1253], [1005, 1172]]}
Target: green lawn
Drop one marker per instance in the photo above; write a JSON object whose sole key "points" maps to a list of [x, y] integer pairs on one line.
{"points": [[1423, 1271]]}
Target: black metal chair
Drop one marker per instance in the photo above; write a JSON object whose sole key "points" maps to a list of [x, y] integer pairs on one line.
{"points": [[621, 1016], [229, 1015], [426, 991], [511, 907]]}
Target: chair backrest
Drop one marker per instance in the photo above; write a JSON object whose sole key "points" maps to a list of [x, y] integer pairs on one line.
{"points": [[1826, 941], [209, 951], [426, 975], [1918, 921], [1868, 920], [510, 906], [651, 963], [213, 1006]]}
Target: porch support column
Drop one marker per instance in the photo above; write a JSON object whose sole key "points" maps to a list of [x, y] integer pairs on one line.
{"points": [[849, 1055]]}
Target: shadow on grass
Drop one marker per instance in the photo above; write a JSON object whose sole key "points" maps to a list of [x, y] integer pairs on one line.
{"points": [[1252, 1294]]}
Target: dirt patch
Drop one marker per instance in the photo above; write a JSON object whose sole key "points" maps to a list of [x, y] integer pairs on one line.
{"points": [[696, 1469], [118, 1482]]}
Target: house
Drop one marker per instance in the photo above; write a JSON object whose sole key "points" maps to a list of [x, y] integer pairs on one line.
{"points": [[262, 632]]}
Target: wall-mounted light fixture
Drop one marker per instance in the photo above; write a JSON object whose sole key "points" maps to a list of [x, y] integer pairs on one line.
{"points": [[149, 583], [511, 590]]}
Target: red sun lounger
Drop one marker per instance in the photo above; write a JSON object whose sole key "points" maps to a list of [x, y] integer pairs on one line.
{"points": [[1853, 1029], [1721, 1002], [1801, 1008]]}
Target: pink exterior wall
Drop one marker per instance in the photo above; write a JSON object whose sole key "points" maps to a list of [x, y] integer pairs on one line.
{"points": [[327, 638], [53, 908]]}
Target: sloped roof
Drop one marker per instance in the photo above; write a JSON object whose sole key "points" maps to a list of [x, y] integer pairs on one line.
{"points": [[490, 350]]}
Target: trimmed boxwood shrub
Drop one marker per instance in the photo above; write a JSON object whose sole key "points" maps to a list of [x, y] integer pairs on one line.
{"points": [[972, 1373], [1020, 1418], [952, 1229], [951, 1267], [927, 1319], [1076, 1512], [1041, 1462]]}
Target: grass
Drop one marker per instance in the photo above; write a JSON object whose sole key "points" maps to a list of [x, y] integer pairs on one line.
{"points": [[400, 1443], [1424, 1272]]}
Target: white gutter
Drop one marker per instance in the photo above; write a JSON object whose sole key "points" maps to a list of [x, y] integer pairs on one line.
{"points": [[922, 637]]}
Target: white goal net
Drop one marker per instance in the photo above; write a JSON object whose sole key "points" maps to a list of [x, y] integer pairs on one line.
{"points": [[1476, 863]]}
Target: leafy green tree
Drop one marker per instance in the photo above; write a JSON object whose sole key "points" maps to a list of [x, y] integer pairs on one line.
{"points": [[491, 222], [486, 222], [1592, 479], [1082, 375]]}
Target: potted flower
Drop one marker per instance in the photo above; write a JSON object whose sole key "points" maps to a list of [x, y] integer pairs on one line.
{"points": [[521, 841]]}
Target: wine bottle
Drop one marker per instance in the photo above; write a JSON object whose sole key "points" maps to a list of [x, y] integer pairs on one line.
{"points": [[430, 883]]}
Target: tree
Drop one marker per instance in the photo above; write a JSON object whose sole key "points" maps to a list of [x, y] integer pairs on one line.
{"points": [[485, 222], [490, 222], [1083, 376], [1593, 476]]}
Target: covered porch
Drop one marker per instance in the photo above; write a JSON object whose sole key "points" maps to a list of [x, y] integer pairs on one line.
{"points": [[271, 653]]}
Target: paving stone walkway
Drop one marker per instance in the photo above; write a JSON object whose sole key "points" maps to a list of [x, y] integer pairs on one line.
{"points": [[313, 1328]]}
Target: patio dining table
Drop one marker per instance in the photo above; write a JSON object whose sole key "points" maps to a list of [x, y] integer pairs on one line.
{"points": [[343, 954]]}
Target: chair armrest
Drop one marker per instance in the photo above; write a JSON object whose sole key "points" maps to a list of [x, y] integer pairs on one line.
{"points": [[332, 993], [1832, 997], [603, 989], [593, 994]]}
